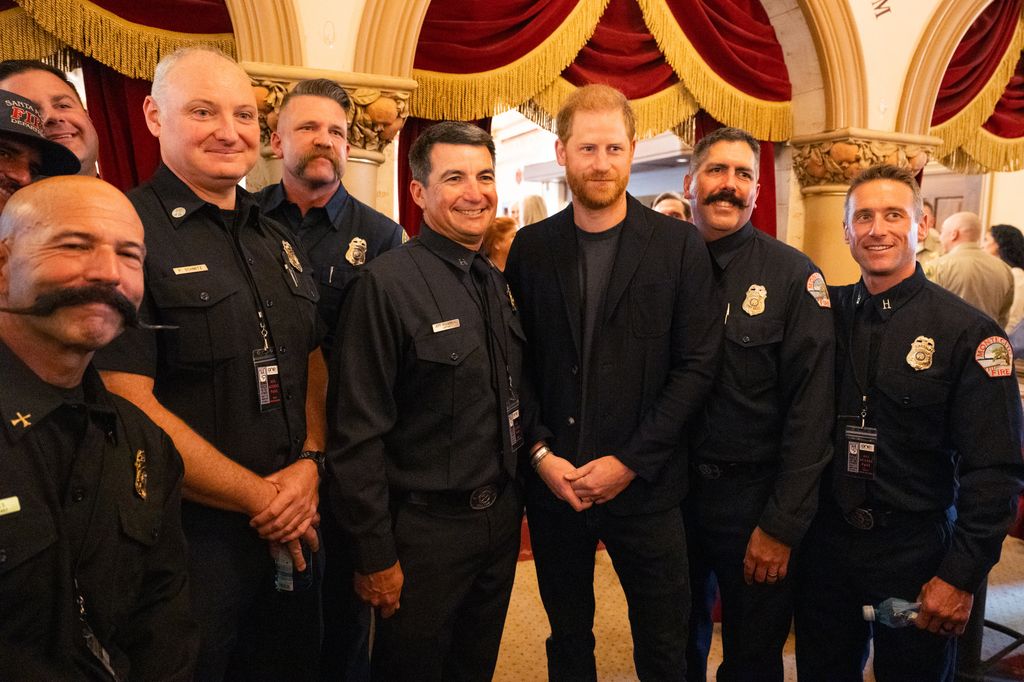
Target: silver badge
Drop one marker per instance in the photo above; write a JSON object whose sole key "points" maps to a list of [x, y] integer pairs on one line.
{"points": [[356, 254], [921, 352]]}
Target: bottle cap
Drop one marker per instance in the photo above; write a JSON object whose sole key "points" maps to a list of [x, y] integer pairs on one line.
{"points": [[869, 612]]}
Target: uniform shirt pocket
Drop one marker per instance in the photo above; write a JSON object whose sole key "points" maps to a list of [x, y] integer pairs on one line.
{"points": [[204, 310], [24, 535], [751, 354], [443, 360]]}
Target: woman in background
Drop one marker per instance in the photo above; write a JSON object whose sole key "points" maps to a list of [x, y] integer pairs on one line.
{"points": [[498, 240], [1007, 242], [534, 209]]}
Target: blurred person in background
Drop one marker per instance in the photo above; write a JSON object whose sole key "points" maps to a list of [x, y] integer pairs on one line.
{"points": [[1007, 242], [534, 210], [672, 204], [498, 240]]}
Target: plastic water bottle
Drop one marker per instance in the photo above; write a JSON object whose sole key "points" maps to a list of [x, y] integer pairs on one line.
{"points": [[286, 578], [893, 612]]}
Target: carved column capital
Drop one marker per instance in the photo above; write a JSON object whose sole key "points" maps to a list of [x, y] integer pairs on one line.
{"points": [[836, 157], [380, 104]]}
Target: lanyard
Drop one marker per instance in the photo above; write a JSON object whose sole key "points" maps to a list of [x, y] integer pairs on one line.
{"points": [[874, 344]]}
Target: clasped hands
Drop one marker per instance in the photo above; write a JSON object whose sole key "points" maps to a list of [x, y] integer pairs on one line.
{"points": [[596, 482], [291, 516]]}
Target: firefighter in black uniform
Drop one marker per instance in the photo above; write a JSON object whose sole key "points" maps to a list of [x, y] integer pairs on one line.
{"points": [[927, 469], [757, 458], [93, 582]]}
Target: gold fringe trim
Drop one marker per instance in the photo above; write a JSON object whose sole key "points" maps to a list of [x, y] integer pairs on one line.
{"points": [[764, 119], [129, 48], [24, 38], [665, 110], [964, 126], [469, 96], [985, 153]]}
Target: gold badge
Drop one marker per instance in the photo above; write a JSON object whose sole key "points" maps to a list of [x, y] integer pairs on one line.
{"points": [[511, 299], [356, 254], [753, 304], [289, 253], [921, 352], [405, 236], [140, 473], [995, 355], [817, 288], [22, 420]]}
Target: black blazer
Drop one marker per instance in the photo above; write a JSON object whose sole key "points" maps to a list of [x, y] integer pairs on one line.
{"points": [[654, 357]]}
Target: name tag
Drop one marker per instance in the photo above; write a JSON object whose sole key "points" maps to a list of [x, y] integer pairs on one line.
{"points": [[9, 505], [446, 325], [189, 269]]}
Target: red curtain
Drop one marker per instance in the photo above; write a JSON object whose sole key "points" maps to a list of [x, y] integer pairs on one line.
{"points": [[474, 36], [763, 216], [128, 152], [184, 16], [976, 58], [409, 214], [1007, 120], [623, 54], [736, 38]]}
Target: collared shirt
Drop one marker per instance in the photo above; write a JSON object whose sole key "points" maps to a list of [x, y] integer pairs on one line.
{"points": [[212, 281], [339, 237], [71, 508], [418, 390], [942, 394], [978, 277], [773, 400]]}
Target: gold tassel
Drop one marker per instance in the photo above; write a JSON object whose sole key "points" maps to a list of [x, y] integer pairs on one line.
{"points": [[654, 114], [964, 126], [469, 96], [24, 38], [993, 153], [764, 119], [128, 48]]}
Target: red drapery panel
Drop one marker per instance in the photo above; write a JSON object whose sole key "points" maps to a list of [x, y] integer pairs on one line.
{"points": [[622, 53], [763, 216], [976, 58], [1007, 120], [736, 39], [128, 152], [487, 35], [409, 214], [184, 16]]}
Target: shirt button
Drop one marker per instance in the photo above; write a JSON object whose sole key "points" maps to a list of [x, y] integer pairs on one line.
{"points": [[454, 357], [204, 296], [270, 303], [78, 494], [570, 421], [575, 370], [3, 555], [746, 339], [288, 395], [282, 349], [249, 260], [296, 440], [906, 400], [156, 533]]}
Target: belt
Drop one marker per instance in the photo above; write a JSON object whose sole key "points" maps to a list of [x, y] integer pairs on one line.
{"points": [[866, 518], [710, 470], [479, 498]]}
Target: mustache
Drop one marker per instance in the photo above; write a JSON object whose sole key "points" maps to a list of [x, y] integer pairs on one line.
{"points": [[328, 154], [725, 195], [52, 301]]}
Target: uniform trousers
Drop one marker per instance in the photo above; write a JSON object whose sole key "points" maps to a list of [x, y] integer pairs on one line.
{"points": [[841, 569], [648, 552], [720, 514], [248, 630], [459, 565]]}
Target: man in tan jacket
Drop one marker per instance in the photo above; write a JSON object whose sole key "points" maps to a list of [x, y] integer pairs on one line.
{"points": [[968, 271]]}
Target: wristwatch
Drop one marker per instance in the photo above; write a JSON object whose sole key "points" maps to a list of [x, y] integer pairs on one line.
{"points": [[318, 458]]}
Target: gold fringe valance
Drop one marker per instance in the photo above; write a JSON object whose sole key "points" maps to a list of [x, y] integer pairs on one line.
{"points": [[129, 48], [764, 119], [662, 111], [468, 96], [965, 125], [24, 38], [986, 153]]}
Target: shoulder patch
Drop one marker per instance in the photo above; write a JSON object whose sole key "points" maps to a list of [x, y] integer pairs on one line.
{"points": [[995, 355], [817, 288]]}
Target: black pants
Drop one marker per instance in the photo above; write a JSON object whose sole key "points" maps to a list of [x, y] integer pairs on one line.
{"points": [[839, 570], [248, 630], [346, 653], [720, 515], [648, 552], [459, 566]]}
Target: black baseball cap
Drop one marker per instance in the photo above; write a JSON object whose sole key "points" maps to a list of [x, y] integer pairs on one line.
{"points": [[20, 119]]}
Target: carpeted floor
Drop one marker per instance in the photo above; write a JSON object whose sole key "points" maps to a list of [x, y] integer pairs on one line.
{"points": [[522, 657]]}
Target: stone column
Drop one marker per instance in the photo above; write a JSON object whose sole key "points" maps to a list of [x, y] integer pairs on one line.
{"points": [[825, 164], [379, 110]]}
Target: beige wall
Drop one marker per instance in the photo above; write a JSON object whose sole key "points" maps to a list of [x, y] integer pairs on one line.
{"points": [[330, 32], [1001, 199]]}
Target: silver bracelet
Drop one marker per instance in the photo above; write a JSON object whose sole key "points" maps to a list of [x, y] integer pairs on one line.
{"points": [[541, 452]]}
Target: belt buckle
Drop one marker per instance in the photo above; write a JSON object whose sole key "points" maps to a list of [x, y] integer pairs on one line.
{"points": [[709, 471], [861, 518], [483, 497]]}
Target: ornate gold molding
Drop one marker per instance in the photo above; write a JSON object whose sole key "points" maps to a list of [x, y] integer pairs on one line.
{"points": [[380, 104], [266, 31], [836, 157], [388, 34]]}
